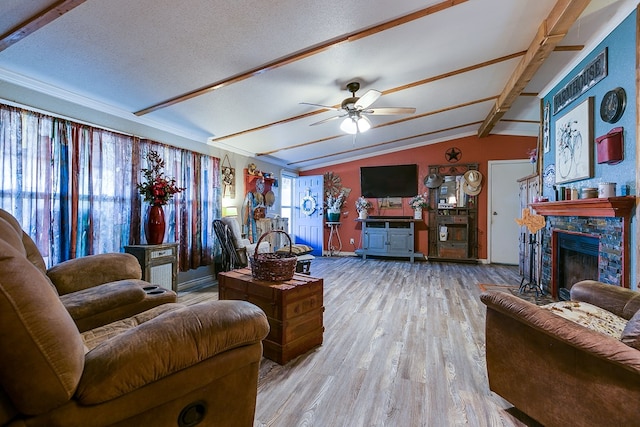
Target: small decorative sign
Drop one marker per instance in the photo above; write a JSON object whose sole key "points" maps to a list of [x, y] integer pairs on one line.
{"points": [[228, 179], [591, 74]]}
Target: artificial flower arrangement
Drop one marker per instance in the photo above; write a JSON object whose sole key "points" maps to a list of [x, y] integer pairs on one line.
{"points": [[419, 201], [335, 202], [362, 204], [157, 189]]}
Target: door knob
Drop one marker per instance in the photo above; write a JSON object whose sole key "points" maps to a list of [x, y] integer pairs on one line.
{"points": [[495, 213]]}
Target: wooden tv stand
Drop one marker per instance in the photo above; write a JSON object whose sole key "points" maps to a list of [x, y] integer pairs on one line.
{"points": [[388, 236]]}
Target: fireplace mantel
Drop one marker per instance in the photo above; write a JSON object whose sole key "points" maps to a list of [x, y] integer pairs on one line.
{"points": [[597, 207], [613, 207]]}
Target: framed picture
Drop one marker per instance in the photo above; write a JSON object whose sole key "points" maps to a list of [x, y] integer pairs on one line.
{"points": [[574, 143], [391, 203]]}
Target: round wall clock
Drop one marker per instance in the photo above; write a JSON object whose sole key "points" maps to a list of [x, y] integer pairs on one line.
{"points": [[613, 104]]}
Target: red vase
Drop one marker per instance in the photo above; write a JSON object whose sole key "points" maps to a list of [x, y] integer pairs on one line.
{"points": [[154, 225]]}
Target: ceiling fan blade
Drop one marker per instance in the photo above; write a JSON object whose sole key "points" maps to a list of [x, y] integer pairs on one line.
{"points": [[326, 120], [367, 99], [328, 107], [390, 111]]}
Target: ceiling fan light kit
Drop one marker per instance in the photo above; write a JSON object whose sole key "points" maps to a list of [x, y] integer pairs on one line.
{"points": [[354, 110], [355, 124]]}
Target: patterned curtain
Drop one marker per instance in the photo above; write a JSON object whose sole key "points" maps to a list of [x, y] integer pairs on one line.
{"points": [[73, 188]]}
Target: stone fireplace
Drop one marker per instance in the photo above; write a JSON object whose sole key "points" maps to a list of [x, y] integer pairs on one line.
{"points": [[585, 239]]}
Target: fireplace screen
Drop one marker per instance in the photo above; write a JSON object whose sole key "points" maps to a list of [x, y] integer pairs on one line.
{"points": [[577, 259]]}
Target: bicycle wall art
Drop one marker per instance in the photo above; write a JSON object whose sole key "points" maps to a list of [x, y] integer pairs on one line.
{"points": [[574, 143]]}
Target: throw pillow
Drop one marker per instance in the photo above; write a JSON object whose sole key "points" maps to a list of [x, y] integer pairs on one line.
{"points": [[589, 316], [296, 249], [631, 332]]}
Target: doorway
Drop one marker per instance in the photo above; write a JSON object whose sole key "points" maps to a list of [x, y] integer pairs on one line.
{"points": [[308, 212], [503, 207]]}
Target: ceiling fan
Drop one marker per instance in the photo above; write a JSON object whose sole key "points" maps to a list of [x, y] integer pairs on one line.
{"points": [[355, 110]]}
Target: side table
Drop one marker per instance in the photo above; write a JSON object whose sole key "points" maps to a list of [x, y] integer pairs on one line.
{"points": [[293, 307], [334, 233], [159, 263]]}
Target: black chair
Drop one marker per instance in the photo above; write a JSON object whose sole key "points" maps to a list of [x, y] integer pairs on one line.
{"points": [[230, 258]]}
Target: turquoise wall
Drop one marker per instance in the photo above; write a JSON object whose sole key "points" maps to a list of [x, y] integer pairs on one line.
{"points": [[621, 59]]}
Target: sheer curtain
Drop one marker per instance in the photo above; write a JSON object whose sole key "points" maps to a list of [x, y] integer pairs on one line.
{"points": [[189, 214], [73, 188]]}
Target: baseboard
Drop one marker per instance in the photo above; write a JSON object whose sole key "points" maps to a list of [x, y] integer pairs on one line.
{"points": [[353, 254], [196, 283], [341, 253]]}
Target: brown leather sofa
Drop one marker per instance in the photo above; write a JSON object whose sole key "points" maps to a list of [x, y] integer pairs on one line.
{"points": [[173, 365], [96, 289], [559, 372]]}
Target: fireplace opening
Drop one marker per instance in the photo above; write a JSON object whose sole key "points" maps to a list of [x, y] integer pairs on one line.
{"points": [[577, 259]]}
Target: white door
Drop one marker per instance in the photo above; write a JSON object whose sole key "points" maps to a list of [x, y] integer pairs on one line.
{"points": [[504, 208]]}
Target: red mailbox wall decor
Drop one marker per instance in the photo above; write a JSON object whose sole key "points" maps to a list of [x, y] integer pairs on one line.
{"points": [[610, 146]]}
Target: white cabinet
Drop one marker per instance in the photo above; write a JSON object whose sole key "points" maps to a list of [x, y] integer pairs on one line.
{"points": [[277, 240], [159, 263]]}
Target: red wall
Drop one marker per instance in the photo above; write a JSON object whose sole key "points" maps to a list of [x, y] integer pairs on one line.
{"points": [[474, 150]]}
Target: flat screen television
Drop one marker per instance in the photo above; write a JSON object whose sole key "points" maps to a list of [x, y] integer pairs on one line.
{"points": [[389, 181]]}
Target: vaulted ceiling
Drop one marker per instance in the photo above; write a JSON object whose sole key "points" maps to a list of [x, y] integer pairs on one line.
{"points": [[234, 74]]}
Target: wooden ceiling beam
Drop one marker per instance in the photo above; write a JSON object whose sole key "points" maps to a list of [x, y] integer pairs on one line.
{"points": [[357, 35], [549, 34], [380, 144], [386, 92], [405, 119], [400, 88], [36, 22]]}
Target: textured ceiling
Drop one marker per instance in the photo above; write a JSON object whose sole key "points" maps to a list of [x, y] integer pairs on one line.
{"points": [[451, 63]]}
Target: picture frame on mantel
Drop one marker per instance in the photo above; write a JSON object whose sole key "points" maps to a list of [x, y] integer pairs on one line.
{"points": [[574, 143]]}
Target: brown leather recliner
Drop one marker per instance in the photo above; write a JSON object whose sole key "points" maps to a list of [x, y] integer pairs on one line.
{"points": [[557, 371], [96, 289], [173, 365]]}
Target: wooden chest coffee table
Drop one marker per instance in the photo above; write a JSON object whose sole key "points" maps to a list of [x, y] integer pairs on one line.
{"points": [[293, 307]]}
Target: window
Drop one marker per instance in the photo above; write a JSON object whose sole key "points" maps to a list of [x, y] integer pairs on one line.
{"points": [[287, 182], [72, 187]]}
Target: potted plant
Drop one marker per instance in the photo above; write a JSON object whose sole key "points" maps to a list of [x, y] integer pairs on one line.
{"points": [[418, 203], [157, 190], [334, 205], [363, 206]]}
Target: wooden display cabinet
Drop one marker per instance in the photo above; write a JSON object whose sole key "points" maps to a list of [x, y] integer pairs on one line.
{"points": [[458, 217]]}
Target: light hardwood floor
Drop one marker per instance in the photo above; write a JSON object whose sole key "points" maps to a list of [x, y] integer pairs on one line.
{"points": [[403, 346]]}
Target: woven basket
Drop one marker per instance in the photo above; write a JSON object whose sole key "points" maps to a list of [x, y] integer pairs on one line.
{"points": [[273, 267]]}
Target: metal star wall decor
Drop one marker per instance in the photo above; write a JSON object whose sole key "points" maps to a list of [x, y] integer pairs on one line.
{"points": [[453, 155]]}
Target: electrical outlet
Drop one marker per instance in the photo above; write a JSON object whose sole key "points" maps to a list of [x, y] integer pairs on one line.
{"points": [[352, 241]]}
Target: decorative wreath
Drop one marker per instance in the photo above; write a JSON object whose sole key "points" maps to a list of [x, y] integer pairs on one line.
{"points": [[308, 204]]}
